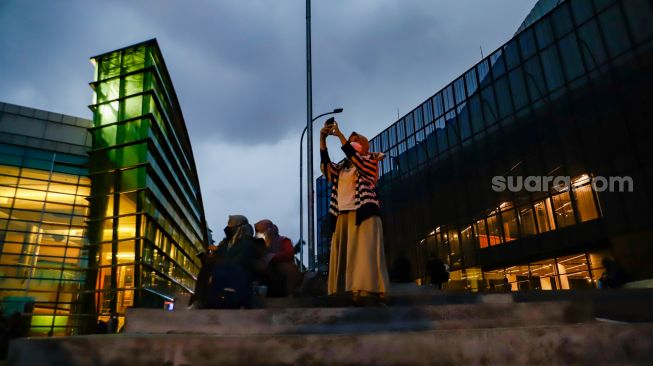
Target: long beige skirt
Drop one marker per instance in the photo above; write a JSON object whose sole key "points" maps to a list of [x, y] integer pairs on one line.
{"points": [[357, 260]]}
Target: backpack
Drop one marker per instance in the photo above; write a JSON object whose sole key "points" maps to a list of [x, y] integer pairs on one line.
{"points": [[229, 288]]}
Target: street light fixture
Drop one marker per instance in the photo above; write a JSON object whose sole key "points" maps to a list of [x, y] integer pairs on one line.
{"points": [[301, 203]]}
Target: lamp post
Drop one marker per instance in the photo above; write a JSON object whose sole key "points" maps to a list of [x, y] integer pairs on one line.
{"points": [[301, 203]]}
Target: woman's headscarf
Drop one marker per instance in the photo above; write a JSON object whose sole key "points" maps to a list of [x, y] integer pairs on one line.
{"points": [[274, 241], [242, 229]]}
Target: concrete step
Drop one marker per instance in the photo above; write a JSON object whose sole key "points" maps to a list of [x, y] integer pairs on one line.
{"points": [[630, 305], [354, 320], [594, 343]]}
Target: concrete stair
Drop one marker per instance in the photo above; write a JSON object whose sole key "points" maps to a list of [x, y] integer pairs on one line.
{"points": [[353, 320], [472, 329]]}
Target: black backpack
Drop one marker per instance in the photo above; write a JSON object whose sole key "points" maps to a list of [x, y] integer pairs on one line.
{"points": [[229, 288]]}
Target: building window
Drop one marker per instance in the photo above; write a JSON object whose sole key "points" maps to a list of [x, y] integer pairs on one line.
{"points": [[564, 212], [527, 220], [481, 234], [494, 230], [544, 215], [584, 196], [510, 227]]}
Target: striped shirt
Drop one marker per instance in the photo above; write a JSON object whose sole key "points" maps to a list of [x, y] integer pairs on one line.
{"points": [[366, 202]]}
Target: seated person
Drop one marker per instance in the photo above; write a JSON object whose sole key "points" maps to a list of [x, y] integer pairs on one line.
{"points": [[283, 275], [237, 261]]}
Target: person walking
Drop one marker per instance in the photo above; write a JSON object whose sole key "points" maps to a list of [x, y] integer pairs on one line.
{"points": [[357, 262]]}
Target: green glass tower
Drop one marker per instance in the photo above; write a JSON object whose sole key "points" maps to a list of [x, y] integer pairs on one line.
{"points": [[146, 221]]}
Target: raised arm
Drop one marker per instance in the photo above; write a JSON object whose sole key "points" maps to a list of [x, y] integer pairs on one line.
{"points": [[328, 168]]}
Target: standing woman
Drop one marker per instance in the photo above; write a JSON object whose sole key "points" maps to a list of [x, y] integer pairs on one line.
{"points": [[357, 261]]}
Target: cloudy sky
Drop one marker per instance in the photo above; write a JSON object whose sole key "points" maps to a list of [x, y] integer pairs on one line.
{"points": [[238, 67]]}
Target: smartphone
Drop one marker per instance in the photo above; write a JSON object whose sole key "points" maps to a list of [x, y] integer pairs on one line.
{"points": [[330, 121]]}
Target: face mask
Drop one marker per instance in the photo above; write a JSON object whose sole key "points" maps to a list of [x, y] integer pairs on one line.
{"points": [[358, 147], [260, 236], [229, 231]]}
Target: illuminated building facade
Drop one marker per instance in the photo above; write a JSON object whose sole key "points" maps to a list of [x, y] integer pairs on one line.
{"points": [[569, 95], [97, 216], [146, 221], [43, 211]]}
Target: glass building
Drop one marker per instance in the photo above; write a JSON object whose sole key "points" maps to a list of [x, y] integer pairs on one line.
{"points": [[568, 96], [146, 221], [44, 183], [98, 216]]}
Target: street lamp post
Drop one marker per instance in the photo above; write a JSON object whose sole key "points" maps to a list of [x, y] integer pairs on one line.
{"points": [[309, 127], [301, 203]]}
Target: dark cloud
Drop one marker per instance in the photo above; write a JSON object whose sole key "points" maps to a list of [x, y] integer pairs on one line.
{"points": [[238, 67]]}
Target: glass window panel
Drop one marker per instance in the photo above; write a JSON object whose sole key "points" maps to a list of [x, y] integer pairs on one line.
{"points": [[591, 45], [133, 107], [498, 65], [107, 113], [570, 53], [544, 215], [564, 212], [6, 202], [30, 194], [511, 53], [544, 275], [441, 134], [527, 220], [107, 90], [527, 43], [438, 105], [454, 247], [126, 227], [639, 14], [561, 19], [582, 10], [384, 141], [585, 202], [534, 79], [481, 234], [428, 111], [503, 97], [452, 128], [133, 84], [401, 132], [552, 69], [489, 106], [614, 31], [393, 135], [410, 127], [476, 114], [447, 95], [472, 83], [131, 179], [510, 227], [483, 70], [459, 89], [463, 121], [494, 230], [126, 252], [543, 33], [9, 170], [7, 191], [519, 96], [8, 180], [418, 118]]}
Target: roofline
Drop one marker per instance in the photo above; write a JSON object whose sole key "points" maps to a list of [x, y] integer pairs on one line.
{"points": [[151, 40]]}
